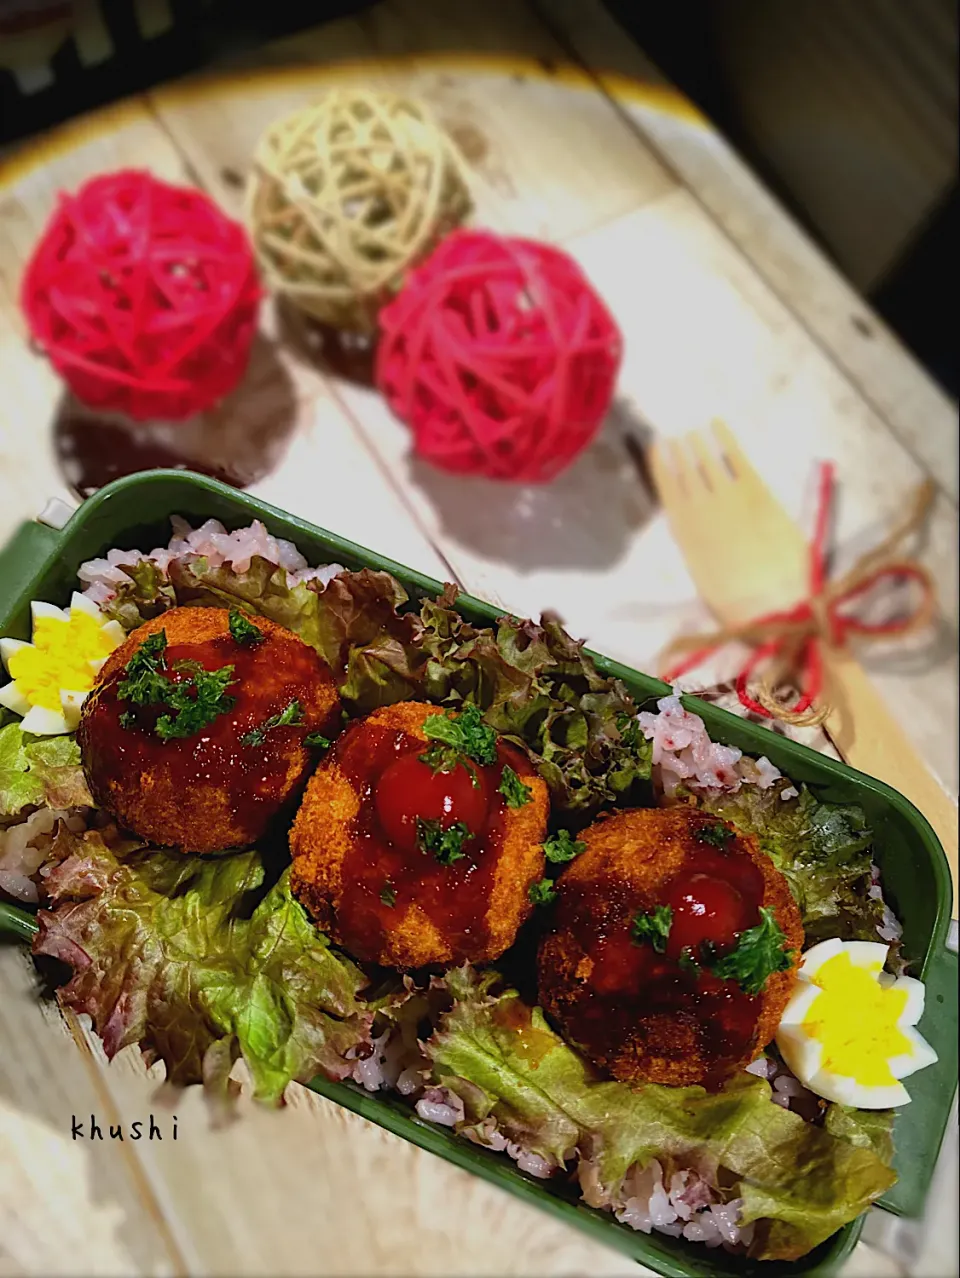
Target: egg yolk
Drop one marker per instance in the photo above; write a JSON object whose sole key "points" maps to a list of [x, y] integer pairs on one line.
{"points": [[855, 1020], [58, 658]]}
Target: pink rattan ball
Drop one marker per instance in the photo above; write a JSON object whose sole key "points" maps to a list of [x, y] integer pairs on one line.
{"points": [[499, 356], [144, 296]]}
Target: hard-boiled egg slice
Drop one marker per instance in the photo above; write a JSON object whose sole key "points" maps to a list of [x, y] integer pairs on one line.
{"points": [[13, 699], [10, 646], [919, 1055], [41, 722], [805, 1056], [869, 955], [802, 1053], [914, 995], [80, 603], [47, 612], [51, 676], [803, 997], [847, 1031], [71, 703]]}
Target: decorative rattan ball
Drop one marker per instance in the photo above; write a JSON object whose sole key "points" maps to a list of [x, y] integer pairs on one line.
{"points": [[144, 297], [347, 194], [500, 356]]}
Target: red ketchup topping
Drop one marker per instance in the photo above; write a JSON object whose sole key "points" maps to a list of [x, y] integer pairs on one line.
{"points": [[706, 908], [715, 897], [408, 789], [385, 872]]}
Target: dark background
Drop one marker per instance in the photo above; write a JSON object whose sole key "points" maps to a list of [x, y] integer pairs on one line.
{"points": [[916, 295]]}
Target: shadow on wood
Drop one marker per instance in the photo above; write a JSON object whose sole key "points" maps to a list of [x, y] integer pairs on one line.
{"points": [[240, 441], [584, 519], [349, 356]]}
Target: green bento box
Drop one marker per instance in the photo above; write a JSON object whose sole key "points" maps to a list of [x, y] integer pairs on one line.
{"points": [[41, 563]]}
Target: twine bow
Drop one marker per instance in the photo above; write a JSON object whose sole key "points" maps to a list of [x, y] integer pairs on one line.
{"points": [[789, 644]]}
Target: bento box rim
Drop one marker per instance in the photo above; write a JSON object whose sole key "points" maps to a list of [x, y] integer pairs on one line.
{"points": [[833, 1251]]}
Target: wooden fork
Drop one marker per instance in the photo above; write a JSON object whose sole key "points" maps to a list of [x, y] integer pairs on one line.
{"points": [[747, 557]]}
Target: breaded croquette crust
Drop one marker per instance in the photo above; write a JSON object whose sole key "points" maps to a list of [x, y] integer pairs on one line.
{"points": [[209, 792], [344, 870], [598, 984]]}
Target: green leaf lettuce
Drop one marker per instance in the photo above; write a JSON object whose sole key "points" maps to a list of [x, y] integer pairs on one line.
{"points": [[541, 690], [799, 1181], [19, 786], [188, 958], [39, 770], [823, 849], [353, 620]]}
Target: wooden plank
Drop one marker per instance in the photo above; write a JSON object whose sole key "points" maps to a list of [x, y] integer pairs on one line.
{"points": [[534, 179], [66, 1206], [836, 317], [108, 1217], [709, 338], [318, 449], [315, 1189], [325, 471]]}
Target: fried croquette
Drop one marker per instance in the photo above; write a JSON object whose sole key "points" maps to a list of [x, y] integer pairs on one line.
{"points": [[411, 865], [200, 741], [643, 914]]}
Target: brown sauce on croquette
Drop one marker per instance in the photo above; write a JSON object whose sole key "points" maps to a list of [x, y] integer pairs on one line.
{"points": [[635, 987], [659, 898], [249, 776], [383, 875], [418, 892]]}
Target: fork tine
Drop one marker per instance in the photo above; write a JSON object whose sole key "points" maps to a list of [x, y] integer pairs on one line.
{"points": [[709, 462], [737, 459], [665, 477]]}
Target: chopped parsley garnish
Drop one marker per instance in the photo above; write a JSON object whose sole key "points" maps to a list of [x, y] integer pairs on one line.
{"points": [[562, 846], [759, 953], [687, 963], [718, 835], [293, 714], [513, 789], [144, 685], [317, 741], [194, 713], [542, 892], [459, 739], [446, 845], [243, 630], [653, 927], [388, 896], [195, 701]]}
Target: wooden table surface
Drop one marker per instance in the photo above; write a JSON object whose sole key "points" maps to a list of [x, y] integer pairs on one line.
{"points": [[728, 311]]}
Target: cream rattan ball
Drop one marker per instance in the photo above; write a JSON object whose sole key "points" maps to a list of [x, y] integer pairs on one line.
{"points": [[345, 195]]}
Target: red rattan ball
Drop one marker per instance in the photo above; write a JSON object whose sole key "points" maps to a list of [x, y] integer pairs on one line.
{"points": [[499, 356], [144, 296]]}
